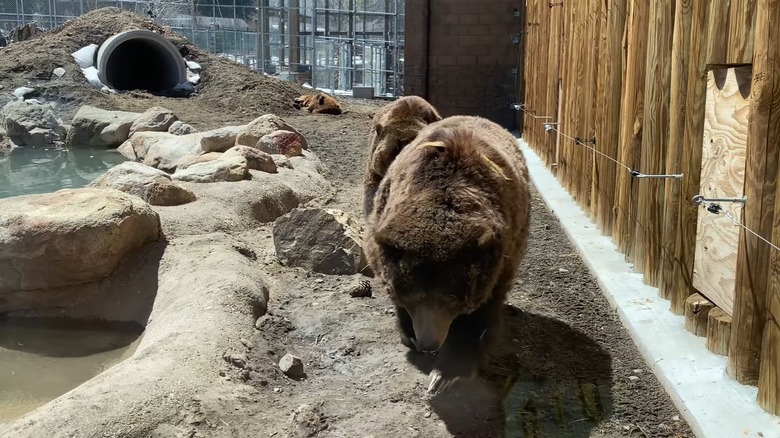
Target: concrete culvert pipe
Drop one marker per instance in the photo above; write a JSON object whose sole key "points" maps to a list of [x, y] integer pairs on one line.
{"points": [[140, 60]]}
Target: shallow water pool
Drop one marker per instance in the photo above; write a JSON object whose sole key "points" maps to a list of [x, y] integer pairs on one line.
{"points": [[42, 360], [26, 171]]}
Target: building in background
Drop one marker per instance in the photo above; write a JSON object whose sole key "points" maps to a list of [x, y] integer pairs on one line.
{"points": [[465, 56]]}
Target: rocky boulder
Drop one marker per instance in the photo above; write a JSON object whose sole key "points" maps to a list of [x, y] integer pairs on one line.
{"points": [[157, 119], [168, 151], [287, 143], [256, 159], [228, 169], [96, 127], [141, 143], [152, 185], [324, 241], [32, 124], [219, 140], [69, 237], [261, 126], [179, 128]]}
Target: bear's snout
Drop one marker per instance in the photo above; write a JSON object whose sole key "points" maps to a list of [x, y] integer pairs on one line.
{"points": [[431, 326]]}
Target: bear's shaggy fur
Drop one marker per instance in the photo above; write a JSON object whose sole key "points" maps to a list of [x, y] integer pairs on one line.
{"points": [[395, 125], [446, 235], [319, 103]]}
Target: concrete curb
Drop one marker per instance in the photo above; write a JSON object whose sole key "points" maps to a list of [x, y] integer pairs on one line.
{"points": [[713, 405]]}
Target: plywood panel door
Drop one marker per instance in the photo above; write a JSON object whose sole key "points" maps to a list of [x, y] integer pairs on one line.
{"points": [[722, 176]]}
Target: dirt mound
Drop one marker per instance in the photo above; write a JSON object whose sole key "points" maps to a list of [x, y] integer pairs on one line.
{"points": [[228, 91]]}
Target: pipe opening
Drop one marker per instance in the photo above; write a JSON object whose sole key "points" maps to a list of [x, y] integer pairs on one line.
{"points": [[140, 60], [141, 65]]}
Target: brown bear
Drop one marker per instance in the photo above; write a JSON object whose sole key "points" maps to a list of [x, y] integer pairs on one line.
{"points": [[395, 125], [319, 103], [448, 230]]}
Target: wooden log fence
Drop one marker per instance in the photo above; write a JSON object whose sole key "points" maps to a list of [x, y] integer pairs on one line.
{"points": [[638, 107]]}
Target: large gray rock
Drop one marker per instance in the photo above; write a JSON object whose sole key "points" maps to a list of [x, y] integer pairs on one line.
{"points": [[156, 118], [324, 241], [96, 127], [169, 151], [219, 140], [69, 237], [32, 124], [261, 126], [223, 169], [152, 185]]}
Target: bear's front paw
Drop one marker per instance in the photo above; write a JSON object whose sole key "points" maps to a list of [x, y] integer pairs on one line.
{"points": [[440, 382]]}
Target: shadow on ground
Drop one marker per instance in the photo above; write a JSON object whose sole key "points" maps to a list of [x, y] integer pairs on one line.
{"points": [[547, 380]]}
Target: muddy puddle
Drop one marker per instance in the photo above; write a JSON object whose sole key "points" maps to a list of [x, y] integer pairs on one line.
{"points": [[41, 360]]}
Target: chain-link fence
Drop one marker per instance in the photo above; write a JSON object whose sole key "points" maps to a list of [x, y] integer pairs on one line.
{"points": [[333, 45]]}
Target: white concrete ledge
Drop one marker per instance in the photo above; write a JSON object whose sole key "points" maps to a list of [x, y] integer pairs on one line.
{"points": [[714, 405]]}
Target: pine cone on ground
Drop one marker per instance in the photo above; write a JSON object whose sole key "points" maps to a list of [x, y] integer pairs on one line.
{"points": [[362, 289]]}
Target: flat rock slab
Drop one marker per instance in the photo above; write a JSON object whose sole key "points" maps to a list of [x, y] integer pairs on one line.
{"points": [[323, 241], [69, 237], [230, 169]]}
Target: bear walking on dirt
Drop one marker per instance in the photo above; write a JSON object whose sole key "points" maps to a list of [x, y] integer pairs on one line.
{"points": [[447, 232], [395, 125]]}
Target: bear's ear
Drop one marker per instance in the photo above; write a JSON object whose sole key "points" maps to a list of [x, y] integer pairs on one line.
{"points": [[378, 128], [438, 146], [432, 116], [495, 168], [321, 100]]}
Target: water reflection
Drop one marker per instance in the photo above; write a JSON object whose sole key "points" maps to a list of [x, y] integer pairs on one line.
{"points": [[26, 171]]}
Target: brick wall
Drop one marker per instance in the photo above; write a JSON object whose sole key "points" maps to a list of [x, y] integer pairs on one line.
{"points": [[470, 56]]}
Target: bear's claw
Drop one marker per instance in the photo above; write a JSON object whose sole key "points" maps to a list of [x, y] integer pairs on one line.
{"points": [[439, 383]]}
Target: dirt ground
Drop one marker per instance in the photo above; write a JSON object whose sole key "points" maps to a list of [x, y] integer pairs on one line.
{"points": [[567, 368]]}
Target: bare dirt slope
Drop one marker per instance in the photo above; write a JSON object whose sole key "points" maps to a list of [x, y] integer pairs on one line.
{"points": [[227, 91], [568, 368]]}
